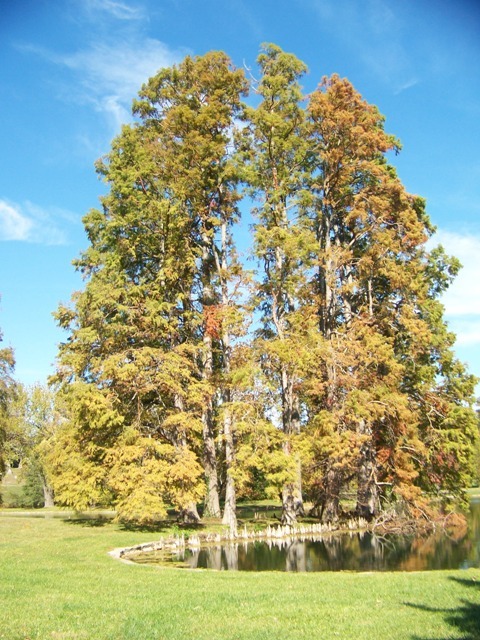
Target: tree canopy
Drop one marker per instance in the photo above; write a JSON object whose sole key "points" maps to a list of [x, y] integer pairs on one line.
{"points": [[328, 368]]}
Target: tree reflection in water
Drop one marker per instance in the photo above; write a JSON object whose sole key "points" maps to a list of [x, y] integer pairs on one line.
{"points": [[341, 552]]}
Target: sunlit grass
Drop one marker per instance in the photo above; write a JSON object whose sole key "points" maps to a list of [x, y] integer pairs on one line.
{"points": [[58, 581]]}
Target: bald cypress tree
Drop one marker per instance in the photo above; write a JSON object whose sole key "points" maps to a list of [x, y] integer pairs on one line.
{"points": [[141, 332], [275, 159], [374, 292]]}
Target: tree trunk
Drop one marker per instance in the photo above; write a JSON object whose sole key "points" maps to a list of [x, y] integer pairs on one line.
{"points": [[331, 498], [212, 501], [367, 491], [189, 515], [289, 515], [292, 502], [298, 498], [48, 498], [230, 508], [326, 276]]}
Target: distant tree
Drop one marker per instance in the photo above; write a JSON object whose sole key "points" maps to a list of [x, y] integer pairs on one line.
{"points": [[38, 418], [8, 392]]}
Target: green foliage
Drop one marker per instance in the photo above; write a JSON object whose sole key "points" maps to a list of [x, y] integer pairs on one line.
{"points": [[32, 489]]}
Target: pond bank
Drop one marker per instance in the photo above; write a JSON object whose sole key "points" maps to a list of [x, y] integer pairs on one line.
{"points": [[280, 532]]}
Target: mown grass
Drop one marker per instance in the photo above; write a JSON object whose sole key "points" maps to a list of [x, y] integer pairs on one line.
{"points": [[57, 581]]}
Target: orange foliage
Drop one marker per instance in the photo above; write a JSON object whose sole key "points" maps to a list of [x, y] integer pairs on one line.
{"points": [[213, 320]]}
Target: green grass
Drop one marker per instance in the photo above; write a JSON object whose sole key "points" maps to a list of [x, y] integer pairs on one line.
{"points": [[57, 581]]}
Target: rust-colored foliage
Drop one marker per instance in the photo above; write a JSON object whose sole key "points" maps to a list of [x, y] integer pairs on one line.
{"points": [[213, 320]]}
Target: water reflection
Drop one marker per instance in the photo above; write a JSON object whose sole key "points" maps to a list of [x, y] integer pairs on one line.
{"points": [[346, 552]]}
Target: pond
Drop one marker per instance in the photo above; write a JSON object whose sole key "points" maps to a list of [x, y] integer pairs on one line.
{"points": [[341, 552]]}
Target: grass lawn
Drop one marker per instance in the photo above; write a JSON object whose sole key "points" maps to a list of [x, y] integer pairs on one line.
{"points": [[57, 582]]}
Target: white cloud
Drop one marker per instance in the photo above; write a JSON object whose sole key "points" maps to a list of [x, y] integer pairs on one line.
{"points": [[406, 85], [113, 75], [462, 299], [13, 224], [463, 296], [31, 223], [119, 69], [117, 112], [467, 331]]}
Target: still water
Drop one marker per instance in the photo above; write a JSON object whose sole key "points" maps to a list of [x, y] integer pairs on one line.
{"points": [[346, 552]]}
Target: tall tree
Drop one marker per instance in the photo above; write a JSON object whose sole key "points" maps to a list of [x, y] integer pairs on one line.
{"points": [[192, 109], [275, 156], [141, 342], [371, 292], [135, 397]]}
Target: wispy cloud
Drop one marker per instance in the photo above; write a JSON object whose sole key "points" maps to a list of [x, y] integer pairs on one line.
{"points": [[109, 75], [107, 72], [118, 10], [373, 31], [30, 223], [112, 74], [406, 85], [467, 332], [462, 299]]}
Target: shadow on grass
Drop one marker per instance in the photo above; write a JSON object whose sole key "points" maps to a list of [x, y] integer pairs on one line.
{"points": [[464, 619], [87, 522], [161, 527], [156, 527]]}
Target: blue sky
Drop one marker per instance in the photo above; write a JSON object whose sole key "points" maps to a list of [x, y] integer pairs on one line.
{"points": [[69, 70]]}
